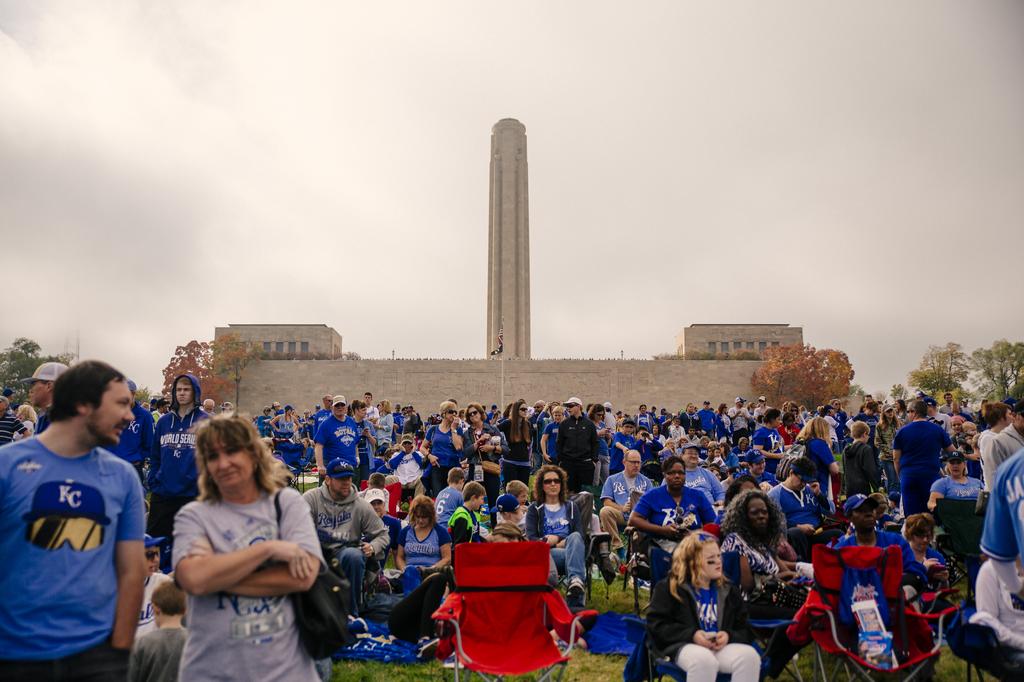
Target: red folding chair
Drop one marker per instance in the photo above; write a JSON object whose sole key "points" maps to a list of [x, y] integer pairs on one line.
{"points": [[498, 621], [914, 642], [394, 497]]}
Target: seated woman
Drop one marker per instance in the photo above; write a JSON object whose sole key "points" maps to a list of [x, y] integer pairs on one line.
{"points": [[919, 530], [423, 545], [754, 527], [555, 519], [1001, 610], [700, 621], [957, 485]]}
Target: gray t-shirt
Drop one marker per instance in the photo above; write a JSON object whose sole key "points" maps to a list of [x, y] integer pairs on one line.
{"points": [[156, 655], [231, 637]]}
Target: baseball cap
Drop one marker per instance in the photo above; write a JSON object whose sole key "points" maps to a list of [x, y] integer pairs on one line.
{"points": [[629, 422], [1018, 407], [339, 468], [150, 541], [762, 399], [753, 457], [406, 438], [930, 401], [857, 501], [573, 401], [338, 400], [691, 445], [48, 371], [608, 406], [707, 402], [739, 400], [507, 503], [372, 495], [956, 455], [131, 386]]}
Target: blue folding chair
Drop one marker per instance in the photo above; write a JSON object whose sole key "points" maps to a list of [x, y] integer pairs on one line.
{"points": [[643, 665], [978, 647]]}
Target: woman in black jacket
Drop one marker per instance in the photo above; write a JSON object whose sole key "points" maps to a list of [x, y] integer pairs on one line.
{"points": [[700, 621]]}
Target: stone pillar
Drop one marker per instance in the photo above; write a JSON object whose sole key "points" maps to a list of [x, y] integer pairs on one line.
{"points": [[508, 258]]}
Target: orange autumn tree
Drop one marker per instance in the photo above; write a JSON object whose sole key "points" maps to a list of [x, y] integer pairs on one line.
{"points": [[229, 357], [802, 373], [196, 358]]}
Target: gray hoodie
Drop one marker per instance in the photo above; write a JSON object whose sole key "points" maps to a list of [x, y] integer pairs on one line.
{"points": [[1002, 447], [349, 520]]}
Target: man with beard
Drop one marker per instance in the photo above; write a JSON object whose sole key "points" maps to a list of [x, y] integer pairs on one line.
{"points": [[72, 512]]}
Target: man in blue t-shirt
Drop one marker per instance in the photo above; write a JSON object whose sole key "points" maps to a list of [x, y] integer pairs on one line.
{"points": [[915, 456], [619, 493], [71, 536], [622, 442], [336, 437], [323, 413], [671, 510], [800, 498], [1003, 537], [707, 419], [756, 464]]}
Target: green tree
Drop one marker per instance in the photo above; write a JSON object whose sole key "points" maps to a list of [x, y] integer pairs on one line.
{"points": [[898, 392], [19, 361], [999, 371], [230, 357], [943, 368]]}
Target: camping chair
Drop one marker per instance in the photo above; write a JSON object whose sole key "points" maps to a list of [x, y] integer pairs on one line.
{"points": [[643, 563], [977, 645], [961, 537], [913, 642], [394, 497], [497, 622], [644, 665]]}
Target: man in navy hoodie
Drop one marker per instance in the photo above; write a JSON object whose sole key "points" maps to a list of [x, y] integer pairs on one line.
{"points": [[137, 438], [172, 464]]}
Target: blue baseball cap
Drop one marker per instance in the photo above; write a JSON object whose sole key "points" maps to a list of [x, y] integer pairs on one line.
{"points": [[857, 501], [131, 386], [930, 401], [753, 457], [339, 468], [67, 499], [150, 541], [506, 503]]}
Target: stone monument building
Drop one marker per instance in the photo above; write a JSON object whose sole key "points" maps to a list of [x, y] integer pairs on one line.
{"points": [[508, 255], [723, 340]]}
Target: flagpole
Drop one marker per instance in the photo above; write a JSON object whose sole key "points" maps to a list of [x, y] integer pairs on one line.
{"points": [[501, 386]]}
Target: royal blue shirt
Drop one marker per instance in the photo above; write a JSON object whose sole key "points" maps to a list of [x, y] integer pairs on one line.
{"points": [[658, 506], [136, 442], [799, 507], [920, 444], [339, 438], [551, 431], [441, 447], [884, 539], [707, 608], [770, 441], [616, 454], [60, 520], [707, 420], [820, 452]]}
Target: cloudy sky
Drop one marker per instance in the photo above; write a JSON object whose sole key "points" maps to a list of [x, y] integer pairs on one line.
{"points": [[854, 168]]}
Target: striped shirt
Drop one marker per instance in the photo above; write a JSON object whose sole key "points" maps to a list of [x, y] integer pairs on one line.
{"points": [[10, 425]]}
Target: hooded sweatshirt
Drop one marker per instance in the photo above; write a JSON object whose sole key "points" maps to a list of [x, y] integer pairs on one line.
{"points": [[137, 438], [172, 467], [350, 520]]}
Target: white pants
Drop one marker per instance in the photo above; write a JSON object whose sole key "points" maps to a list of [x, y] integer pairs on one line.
{"points": [[702, 664]]}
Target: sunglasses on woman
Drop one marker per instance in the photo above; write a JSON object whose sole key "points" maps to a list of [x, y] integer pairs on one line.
{"points": [[549, 481]]}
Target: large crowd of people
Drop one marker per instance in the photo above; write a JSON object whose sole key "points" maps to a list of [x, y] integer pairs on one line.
{"points": [[102, 497]]}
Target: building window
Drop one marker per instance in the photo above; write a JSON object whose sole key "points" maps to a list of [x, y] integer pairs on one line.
{"points": [[291, 347], [305, 347], [750, 345], [761, 345], [737, 345], [725, 346], [774, 344], [712, 347], [279, 346], [266, 346]]}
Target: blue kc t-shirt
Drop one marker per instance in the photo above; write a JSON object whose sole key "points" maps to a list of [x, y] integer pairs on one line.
{"points": [[556, 521], [551, 431], [60, 519], [659, 508], [920, 444], [948, 488], [339, 438]]}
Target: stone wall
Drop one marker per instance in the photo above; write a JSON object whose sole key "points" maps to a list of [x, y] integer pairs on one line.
{"points": [[323, 341], [425, 383], [696, 337]]}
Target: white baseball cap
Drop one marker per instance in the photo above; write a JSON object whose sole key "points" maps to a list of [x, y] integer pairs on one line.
{"points": [[338, 400], [48, 371], [374, 495], [608, 406], [574, 401]]}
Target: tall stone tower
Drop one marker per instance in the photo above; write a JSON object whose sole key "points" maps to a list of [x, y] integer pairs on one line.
{"points": [[508, 255]]}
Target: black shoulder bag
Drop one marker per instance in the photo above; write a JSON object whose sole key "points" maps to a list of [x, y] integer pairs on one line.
{"points": [[321, 612]]}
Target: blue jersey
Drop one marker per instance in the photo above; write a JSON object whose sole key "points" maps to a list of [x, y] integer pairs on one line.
{"points": [[441, 447], [1003, 537], [60, 519], [425, 552], [947, 487], [769, 440], [819, 452], [707, 483], [448, 500], [618, 489], [339, 438], [799, 507], [617, 455], [658, 506]]}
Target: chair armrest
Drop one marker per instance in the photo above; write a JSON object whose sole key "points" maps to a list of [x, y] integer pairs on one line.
{"points": [[450, 609]]}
